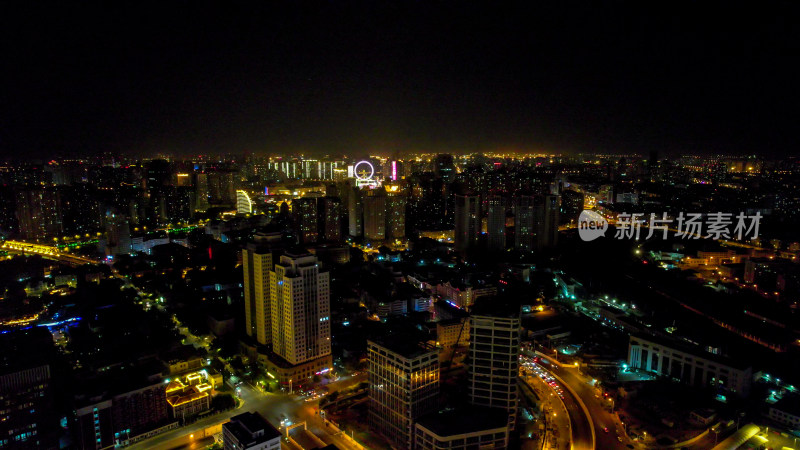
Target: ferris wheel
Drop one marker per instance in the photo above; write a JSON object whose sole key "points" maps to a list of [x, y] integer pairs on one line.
{"points": [[363, 170]]}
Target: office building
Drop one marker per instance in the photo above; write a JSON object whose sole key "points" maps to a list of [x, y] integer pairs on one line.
{"points": [[496, 223], [467, 222], [250, 431], [403, 386], [688, 365], [473, 427], [301, 329], [494, 353], [257, 262]]}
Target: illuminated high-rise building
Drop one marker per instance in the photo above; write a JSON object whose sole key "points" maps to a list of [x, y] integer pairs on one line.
{"points": [[332, 212], [202, 192], [222, 187], [158, 174], [39, 213], [403, 385], [395, 215], [468, 222], [355, 209], [494, 355], [496, 222], [300, 316], [571, 206], [525, 223], [243, 203], [179, 203], [258, 260], [305, 215], [27, 409], [445, 168], [548, 222], [374, 201]]}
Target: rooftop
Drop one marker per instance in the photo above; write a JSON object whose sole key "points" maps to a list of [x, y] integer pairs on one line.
{"points": [[244, 427], [407, 348], [789, 404], [496, 306], [696, 351], [471, 419]]}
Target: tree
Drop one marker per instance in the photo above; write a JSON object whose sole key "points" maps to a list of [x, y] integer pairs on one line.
{"points": [[222, 402]]}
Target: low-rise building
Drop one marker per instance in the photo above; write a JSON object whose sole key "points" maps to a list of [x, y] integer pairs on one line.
{"points": [[787, 412], [452, 332], [465, 428], [250, 431], [189, 396], [690, 366]]}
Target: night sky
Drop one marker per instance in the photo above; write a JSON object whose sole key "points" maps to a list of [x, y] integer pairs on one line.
{"points": [[340, 77]]}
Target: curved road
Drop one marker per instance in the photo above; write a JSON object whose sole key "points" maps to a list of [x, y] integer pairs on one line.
{"points": [[601, 418], [581, 428]]}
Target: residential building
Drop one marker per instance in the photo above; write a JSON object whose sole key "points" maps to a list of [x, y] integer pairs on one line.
{"points": [[395, 215], [467, 222], [331, 216], [374, 201], [27, 420], [496, 223], [39, 213], [305, 214]]}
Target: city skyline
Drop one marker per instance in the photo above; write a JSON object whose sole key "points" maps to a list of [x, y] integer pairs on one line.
{"points": [[410, 226]]}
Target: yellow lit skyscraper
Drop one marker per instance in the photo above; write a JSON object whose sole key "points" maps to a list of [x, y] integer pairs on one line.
{"points": [[301, 328], [258, 261]]}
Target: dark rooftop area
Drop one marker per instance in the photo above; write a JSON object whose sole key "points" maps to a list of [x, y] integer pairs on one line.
{"points": [[789, 404], [245, 425], [408, 348], [496, 306], [24, 349], [469, 419]]}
